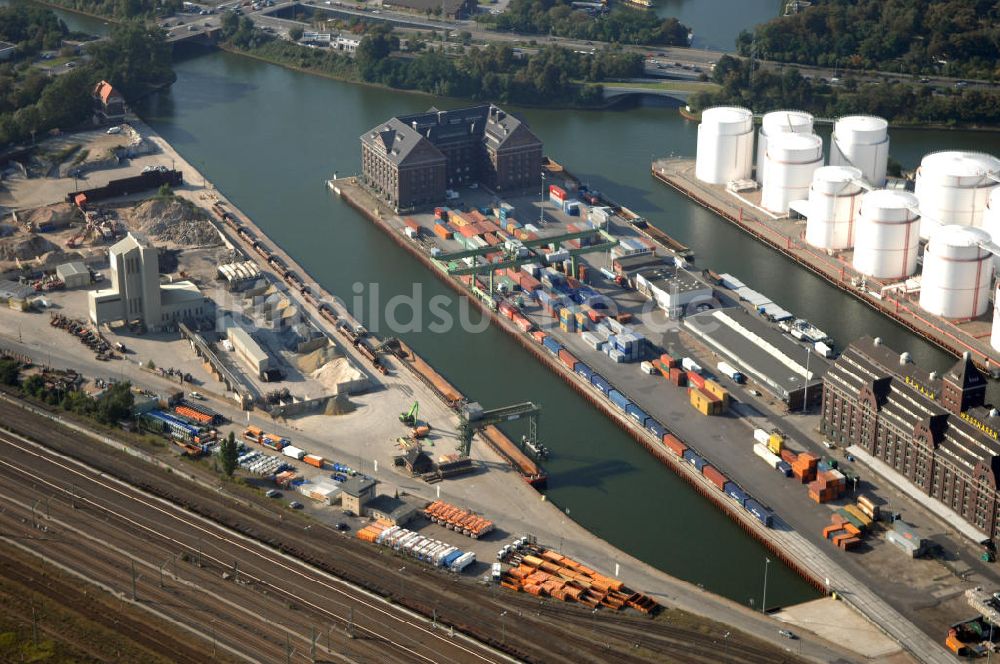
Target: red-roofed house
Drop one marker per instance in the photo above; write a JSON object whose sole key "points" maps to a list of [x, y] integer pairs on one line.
{"points": [[109, 105]]}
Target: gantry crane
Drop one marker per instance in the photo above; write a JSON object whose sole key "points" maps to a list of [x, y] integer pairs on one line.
{"points": [[473, 418]]}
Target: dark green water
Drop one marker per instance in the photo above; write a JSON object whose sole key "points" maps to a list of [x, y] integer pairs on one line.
{"points": [[269, 137], [716, 23]]}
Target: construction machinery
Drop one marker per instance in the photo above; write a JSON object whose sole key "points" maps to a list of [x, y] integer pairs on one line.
{"points": [[409, 418], [473, 418]]}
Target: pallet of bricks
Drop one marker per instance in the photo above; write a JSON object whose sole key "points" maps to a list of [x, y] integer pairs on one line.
{"points": [[550, 574], [457, 519]]}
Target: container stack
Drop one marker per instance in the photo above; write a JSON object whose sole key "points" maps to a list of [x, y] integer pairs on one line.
{"points": [[842, 532], [417, 546], [804, 467], [457, 519], [704, 401], [828, 485]]}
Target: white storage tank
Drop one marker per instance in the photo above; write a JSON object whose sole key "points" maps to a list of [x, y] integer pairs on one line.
{"points": [[995, 331], [957, 273], [887, 234], [779, 122], [953, 188], [725, 145], [862, 141], [789, 164], [834, 200], [991, 217]]}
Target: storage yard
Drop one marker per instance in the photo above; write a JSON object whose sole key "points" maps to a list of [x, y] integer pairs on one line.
{"points": [[571, 313], [839, 222]]}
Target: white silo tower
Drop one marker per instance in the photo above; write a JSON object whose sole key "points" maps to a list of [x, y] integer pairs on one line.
{"points": [[953, 188], [995, 331], [957, 273], [725, 145], [789, 165], [887, 235], [862, 141], [834, 199], [991, 222], [779, 122]]}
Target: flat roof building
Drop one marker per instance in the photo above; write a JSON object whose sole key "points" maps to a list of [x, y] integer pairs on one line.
{"points": [[764, 354], [931, 429], [16, 296], [248, 350], [74, 275], [673, 289], [396, 511]]}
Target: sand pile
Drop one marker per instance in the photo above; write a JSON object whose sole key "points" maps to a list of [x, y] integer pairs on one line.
{"points": [[25, 246], [310, 362], [174, 220], [58, 215], [339, 405], [335, 373]]}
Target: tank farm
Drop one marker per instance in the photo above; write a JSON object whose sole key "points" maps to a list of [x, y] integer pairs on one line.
{"points": [[863, 230], [662, 444]]}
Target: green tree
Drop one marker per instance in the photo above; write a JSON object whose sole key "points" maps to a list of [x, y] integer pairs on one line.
{"points": [[229, 451], [116, 404], [10, 370], [134, 59], [295, 33]]}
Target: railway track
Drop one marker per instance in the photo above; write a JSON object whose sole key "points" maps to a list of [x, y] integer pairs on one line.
{"points": [[566, 635]]}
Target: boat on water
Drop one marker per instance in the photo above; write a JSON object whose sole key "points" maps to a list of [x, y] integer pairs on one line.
{"points": [[804, 330], [688, 114]]}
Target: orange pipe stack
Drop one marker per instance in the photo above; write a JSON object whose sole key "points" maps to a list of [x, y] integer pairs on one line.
{"points": [[371, 532], [457, 519], [554, 575], [192, 414], [804, 467]]}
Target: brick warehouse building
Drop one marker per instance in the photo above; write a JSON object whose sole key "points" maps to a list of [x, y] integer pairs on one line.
{"points": [[932, 429], [409, 161]]}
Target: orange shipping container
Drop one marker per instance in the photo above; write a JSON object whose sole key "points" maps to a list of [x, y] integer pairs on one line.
{"points": [[313, 460]]}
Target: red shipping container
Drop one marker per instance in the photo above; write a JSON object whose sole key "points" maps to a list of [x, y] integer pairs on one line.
{"points": [[567, 359], [529, 283], [441, 213], [491, 239], [522, 323], [538, 336], [490, 226], [507, 310], [714, 476], [477, 216], [788, 456], [669, 361], [557, 190], [411, 224], [678, 377], [467, 231], [671, 441], [595, 315], [696, 379]]}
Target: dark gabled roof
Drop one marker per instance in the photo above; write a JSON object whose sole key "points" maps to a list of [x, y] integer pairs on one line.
{"points": [[399, 142], [390, 505], [355, 486], [965, 374]]}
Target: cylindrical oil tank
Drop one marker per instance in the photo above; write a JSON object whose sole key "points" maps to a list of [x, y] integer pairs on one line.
{"points": [[725, 145], [995, 331], [834, 199], [991, 222], [953, 188], [789, 165], [957, 273], [779, 122], [887, 235], [861, 141]]}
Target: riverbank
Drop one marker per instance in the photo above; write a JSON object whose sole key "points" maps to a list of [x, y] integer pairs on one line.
{"points": [[524, 512]]}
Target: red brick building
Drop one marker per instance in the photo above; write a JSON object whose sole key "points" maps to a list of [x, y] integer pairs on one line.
{"points": [[934, 430]]}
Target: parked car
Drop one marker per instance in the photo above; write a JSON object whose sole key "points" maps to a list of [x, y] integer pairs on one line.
{"points": [[785, 633], [197, 395], [114, 130], [295, 505], [341, 526], [273, 493]]}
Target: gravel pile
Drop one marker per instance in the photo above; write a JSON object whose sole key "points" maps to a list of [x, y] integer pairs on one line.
{"points": [[174, 220]]}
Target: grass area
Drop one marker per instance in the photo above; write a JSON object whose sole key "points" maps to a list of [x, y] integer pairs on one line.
{"points": [[59, 156], [57, 61]]}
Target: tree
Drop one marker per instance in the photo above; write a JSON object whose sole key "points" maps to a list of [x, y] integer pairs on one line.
{"points": [[166, 191], [9, 371], [295, 33], [229, 452]]}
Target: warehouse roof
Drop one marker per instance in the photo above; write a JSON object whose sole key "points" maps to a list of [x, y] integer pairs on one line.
{"points": [[396, 509], [72, 269], [12, 289], [357, 485], [672, 280], [240, 337], [758, 349]]}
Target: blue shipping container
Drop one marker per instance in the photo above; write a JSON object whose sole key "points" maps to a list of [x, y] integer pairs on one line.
{"points": [[736, 494], [758, 511], [598, 381], [619, 399], [584, 370], [637, 414], [656, 428], [784, 468], [552, 345]]}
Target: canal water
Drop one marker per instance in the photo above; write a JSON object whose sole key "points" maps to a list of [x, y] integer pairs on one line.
{"points": [[269, 137]]}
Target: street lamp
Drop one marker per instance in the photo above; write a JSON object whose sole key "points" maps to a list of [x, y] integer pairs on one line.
{"points": [[805, 390], [763, 600], [541, 204], [503, 628]]}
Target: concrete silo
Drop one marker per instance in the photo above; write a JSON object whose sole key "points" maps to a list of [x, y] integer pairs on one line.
{"points": [[887, 235], [725, 145]]}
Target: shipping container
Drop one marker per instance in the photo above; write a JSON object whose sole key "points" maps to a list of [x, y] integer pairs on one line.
{"points": [[637, 414], [552, 345], [769, 458], [598, 381], [655, 428], [736, 493], [313, 460], [696, 379], [762, 514], [674, 444], [694, 459], [293, 452], [567, 359], [619, 399], [690, 365], [584, 370], [714, 476]]}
